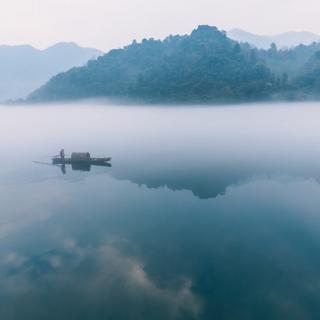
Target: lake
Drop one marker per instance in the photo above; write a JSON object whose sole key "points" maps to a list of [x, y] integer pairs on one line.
{"points": [[206, 213]]}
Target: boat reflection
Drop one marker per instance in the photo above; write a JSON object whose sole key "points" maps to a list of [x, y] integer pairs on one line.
{"points": [[77, 166], [82, 166]]}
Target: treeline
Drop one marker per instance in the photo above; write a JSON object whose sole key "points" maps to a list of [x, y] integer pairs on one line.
{"points": [[297, 70], [205, 66]]}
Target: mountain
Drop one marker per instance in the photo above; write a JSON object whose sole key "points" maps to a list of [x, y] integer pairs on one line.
{"points": [[204, 66], [283, 40], [24, 68]]}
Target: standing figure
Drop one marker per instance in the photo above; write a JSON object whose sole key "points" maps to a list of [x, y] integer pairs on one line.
{"points": [[62, 154]]}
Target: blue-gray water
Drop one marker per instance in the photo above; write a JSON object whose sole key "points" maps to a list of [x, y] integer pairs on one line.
{"points": [[206, 213]]}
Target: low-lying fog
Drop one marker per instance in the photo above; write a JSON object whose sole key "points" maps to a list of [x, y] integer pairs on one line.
{"points": [[285, 133]]}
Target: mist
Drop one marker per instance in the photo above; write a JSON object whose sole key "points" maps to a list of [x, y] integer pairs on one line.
{"points": [[271, 135]]}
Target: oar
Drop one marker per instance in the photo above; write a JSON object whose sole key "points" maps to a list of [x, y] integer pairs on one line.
{"points": [[46, 163]]}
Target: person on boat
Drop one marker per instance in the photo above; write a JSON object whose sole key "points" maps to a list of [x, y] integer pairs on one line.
{"points": [[62, 154]]}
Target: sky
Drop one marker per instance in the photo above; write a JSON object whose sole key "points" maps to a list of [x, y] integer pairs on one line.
{"points": [[107, 24]]}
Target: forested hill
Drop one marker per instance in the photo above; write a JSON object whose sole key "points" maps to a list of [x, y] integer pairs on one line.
{"points": [[204, 66]]}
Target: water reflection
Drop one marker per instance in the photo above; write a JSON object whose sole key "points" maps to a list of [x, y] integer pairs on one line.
{"points": [[216, 226], [163, 254]]}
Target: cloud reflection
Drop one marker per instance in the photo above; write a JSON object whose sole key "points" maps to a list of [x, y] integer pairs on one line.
{"points": [[100, 282]]}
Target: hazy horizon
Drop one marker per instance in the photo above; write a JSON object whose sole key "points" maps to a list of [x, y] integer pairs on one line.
{"points": [[124, 44], [112, 24]]}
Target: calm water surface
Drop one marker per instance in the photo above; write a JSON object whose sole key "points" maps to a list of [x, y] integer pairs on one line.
{"points": [[206, 213]]}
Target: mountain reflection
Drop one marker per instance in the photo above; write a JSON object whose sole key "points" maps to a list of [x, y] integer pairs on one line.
{"points": [[204, 185], [208, 181], [205, 181]]}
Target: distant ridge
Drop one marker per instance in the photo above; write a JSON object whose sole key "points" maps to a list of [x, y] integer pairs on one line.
{"points": [[24, 68], [282, 40]]}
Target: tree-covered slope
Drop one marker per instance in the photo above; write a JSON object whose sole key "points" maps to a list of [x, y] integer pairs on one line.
{"points": [[288, 62], [202, 67], [309, 78], [297, 71]]}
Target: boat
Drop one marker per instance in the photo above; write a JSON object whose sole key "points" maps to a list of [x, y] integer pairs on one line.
{"points": [[82, 158]]}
